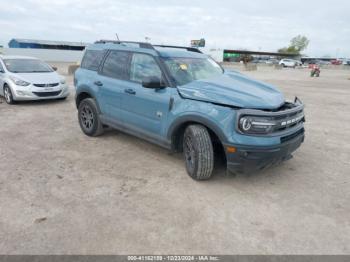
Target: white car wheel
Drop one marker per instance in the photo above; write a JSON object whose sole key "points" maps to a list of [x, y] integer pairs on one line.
{"points": [[8, 95]]}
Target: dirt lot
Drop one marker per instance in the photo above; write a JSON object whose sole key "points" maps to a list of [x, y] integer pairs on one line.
{"points": [[63, 192]]}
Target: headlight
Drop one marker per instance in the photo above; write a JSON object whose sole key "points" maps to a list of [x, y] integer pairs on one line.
{"points": [[256, 125], [245, 123], [19, 82]]}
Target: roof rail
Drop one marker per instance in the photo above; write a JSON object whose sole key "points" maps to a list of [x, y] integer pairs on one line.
{"points": [[148, 45], [190, 49], [141, 44]]}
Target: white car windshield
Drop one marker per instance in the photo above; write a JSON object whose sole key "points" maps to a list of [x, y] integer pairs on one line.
{"points": [[26, 66], [187, 69]]}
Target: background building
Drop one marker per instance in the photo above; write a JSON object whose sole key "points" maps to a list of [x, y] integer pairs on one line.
{"points": [[45, 44], [240, 55]]}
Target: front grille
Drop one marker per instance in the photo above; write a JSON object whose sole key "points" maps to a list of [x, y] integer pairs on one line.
{"points": [[292, 136], [46, 94], [46, 85], [287, 121]]}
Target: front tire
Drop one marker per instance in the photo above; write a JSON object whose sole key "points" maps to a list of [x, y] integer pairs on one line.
{"points": [[198, 152], [89, 119], [8, 95]]}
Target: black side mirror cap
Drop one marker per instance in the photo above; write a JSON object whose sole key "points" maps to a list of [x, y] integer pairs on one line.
{"points": [[152, 82], [54, 68]]}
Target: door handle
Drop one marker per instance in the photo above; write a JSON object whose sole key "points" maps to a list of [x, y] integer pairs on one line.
{"points": [[98, 83], [130, 91]]}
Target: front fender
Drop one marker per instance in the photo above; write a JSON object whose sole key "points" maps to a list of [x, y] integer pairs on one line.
{"points": [[10, 85], [195, 118]]}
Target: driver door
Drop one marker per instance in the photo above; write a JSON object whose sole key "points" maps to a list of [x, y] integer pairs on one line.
{"points": [[145, 110]]}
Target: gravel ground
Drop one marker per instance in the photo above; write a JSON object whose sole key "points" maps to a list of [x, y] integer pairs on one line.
{"points": [[62, 192]]}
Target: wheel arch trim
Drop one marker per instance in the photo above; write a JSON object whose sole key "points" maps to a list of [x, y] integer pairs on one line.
{"points": [[186, 119], [88, 92]]}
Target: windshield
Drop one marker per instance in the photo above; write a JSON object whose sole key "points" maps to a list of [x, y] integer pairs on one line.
{"points": [[26, 66], [185, 70]]}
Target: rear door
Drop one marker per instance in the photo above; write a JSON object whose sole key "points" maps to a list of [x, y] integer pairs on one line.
{"points": [[112, 80], [145, 110], [87, 78]]}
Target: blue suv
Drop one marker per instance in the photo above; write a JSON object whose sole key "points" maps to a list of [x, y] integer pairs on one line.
{"points": [[181, 99]]}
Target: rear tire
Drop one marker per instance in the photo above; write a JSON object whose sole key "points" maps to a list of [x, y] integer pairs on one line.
{"points": [[8, 95], [198, 152], [89, 120]]}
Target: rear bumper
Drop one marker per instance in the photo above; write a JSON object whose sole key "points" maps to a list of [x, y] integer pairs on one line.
{"points": [[248, 159]]}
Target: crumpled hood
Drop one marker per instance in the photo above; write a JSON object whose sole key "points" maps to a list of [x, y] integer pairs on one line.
{"points": [[39, 78], [234, 89]]}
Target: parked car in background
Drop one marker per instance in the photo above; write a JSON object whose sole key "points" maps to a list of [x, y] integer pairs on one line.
{"points": [[346, 62], [272, 61], [181, 99], [313, 62], [324, 62], [336, 62], [299, 63], [28, 78], [259, 60], [289, 62]]}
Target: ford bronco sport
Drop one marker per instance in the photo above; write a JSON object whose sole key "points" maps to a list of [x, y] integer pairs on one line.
{"points": [[181, 99]]}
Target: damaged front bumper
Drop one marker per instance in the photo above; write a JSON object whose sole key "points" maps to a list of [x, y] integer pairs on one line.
{"points": [[247, 159]]}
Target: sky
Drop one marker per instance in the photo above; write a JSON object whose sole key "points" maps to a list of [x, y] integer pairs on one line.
{"points": [[265, 25]]}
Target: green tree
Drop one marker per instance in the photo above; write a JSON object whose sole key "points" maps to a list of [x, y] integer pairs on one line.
{"points": [[297, 44]]}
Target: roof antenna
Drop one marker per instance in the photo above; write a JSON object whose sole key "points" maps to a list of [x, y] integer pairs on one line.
{"points": [[117, 36]]}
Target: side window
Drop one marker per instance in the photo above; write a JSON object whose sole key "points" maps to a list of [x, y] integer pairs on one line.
{"points": [[116, 65], [143, 66], [92, 59], [1, 68]]}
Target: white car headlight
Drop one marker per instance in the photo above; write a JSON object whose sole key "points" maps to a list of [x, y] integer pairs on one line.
{"points": [[19, 82]]}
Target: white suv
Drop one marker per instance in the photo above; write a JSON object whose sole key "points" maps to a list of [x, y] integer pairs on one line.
{"points": [[27, 78], [289, 63]]}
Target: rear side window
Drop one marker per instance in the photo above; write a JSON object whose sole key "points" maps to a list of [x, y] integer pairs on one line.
{"points": [[116, 65], [92, 59]]}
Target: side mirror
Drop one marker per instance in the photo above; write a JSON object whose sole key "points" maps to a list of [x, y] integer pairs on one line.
{"points": [[54, 68], [152, 82]]}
